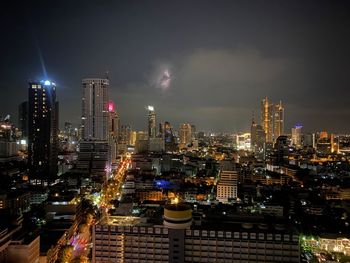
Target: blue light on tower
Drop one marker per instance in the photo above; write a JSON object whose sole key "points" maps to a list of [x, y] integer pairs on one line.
{"points": [[47, 83]]}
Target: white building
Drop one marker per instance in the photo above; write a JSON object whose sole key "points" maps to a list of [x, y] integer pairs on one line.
{"points": [[226, 188], [95, 108], [129, 239], [297, 136]]}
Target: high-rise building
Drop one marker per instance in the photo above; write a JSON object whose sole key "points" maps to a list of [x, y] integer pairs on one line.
{"points": [[169, 138], [23, 119], [151, 122], [113, 131], [272, 119], [278, 120], [193, 132], [257, 139], [185, 135], [95, 151], [42, 131], [297, 136], [226, 188], [95, 108]]}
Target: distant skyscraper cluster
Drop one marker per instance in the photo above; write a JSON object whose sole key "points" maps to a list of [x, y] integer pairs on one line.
{"points": [[272, 119]]}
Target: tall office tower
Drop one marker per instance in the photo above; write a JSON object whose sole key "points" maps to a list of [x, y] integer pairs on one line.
{"points": [[226, 189], [257, 138], [266, 119], [151, 122], [23, 119], [185, 135], [272, 120], [113, 130], [95, 108], [42, 132], [278, 120], [169, 138], [193, 132], [297, 136]]}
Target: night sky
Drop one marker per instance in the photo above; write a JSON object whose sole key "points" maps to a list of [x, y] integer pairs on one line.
{"points": [[223, 57]]}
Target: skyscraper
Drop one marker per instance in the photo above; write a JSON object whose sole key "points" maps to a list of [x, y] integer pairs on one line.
{"points": [[42, 131], [114, 127], [151, 122], [95, 108], [297, 136], [169, 138], [272, 119], [258, 138], [278, 120], [185, 135], [94, 154]]}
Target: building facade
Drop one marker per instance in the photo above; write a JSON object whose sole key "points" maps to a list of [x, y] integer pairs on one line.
{"points": [[42, 131], [152, 132], [95, 109], [226, 188], [272, 119], [185, 135], [125, 240]]}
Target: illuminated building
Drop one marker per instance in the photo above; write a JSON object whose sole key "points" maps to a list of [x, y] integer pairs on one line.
{"points": [[272, 119], [278, 120], [226, 188], [94, 151], [95, 108], [257, 139], [325, 143], [133, 136], [42, 132], [169, 138], [6, 130], [151, 122], [131, 239], [185, 135], [297, 136], [113, 130], [243, 141]]}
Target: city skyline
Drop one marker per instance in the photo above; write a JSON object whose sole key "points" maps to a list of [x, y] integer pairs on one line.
{"points": [[294, 52]]}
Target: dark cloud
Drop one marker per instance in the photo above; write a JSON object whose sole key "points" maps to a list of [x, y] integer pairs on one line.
{"points": [[223, 56]]}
